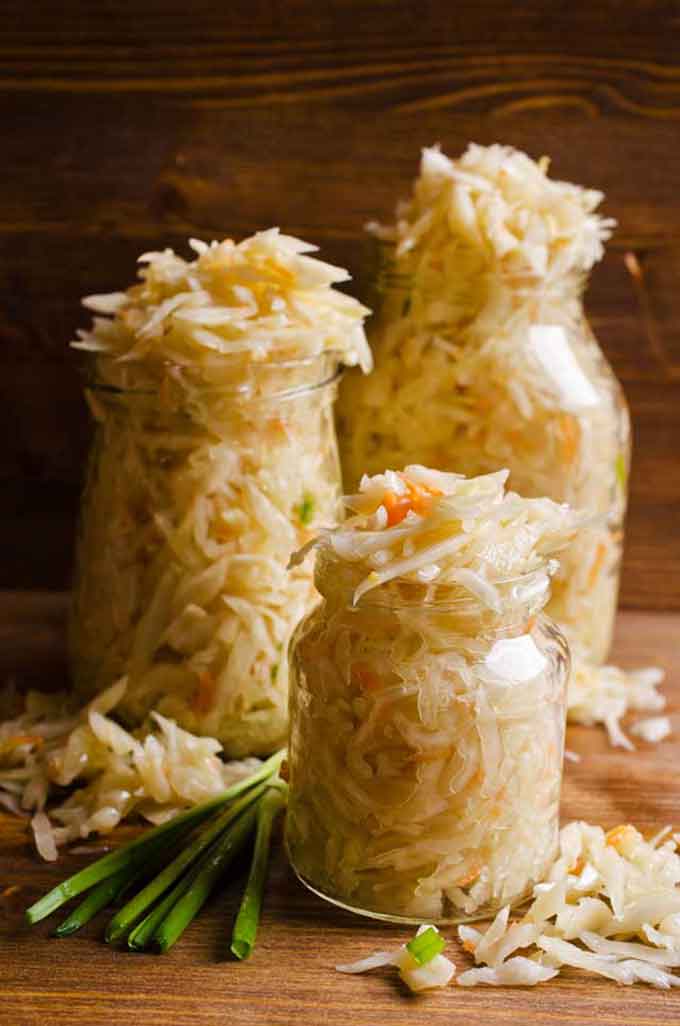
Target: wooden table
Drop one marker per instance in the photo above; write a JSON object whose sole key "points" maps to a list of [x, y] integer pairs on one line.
{"points": [[133, 126], [290, 978]]}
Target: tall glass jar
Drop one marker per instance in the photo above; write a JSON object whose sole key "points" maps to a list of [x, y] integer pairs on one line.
{"points": [[195, 497], [523, 385], [426, 752]]}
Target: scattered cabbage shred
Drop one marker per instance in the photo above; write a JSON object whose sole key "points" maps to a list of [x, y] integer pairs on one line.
{"points": [[484, 360], [437, 972], [154, 772], [610, 906]]}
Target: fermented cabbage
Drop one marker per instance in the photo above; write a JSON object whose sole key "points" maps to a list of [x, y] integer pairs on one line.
{"points": [[48, 744], [484, 359], [427, 699], [610, 906], [212, 384]]}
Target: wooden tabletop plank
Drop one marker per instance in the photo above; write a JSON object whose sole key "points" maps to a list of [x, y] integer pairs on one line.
{"points": [[291, 978]]}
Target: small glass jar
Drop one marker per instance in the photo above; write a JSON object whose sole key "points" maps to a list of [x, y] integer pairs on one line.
{"points": [[195, 497], [524, 386], [426, 752]]}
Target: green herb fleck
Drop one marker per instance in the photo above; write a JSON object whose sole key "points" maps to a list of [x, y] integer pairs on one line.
{"points": [[426, 945], [621, 471], [305, 510], [274, 669]]}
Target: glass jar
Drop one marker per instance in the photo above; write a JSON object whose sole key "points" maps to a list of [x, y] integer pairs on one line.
{"points": [[195, 497], [426, 752], [525, 386]]}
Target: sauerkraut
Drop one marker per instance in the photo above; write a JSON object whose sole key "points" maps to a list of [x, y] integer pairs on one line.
{"points": [[610, 906], [47, 744], [427, 700], [484, 359], [212, 383]]}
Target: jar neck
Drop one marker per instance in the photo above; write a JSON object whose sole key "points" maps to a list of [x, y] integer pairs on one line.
{"points": [[404, 285], [225, 388], [510, 605]]}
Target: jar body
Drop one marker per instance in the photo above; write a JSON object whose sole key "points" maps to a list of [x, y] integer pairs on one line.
{"points": [[526, 387], [425, 773], [188, 519]]}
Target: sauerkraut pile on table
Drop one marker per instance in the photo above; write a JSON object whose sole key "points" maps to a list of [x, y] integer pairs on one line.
{"points": [[610, 906], [427, 715]]}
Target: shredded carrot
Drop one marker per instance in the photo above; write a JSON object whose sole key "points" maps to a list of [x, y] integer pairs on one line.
{"points": [[205, 694], [223, 532], [571, 433], [278, 425], [9, 891], [577, 867], [468, 878], [417, 498], [365, 677], [486, 402], [616, 834], [530, 624], [596, 565], [469, 947]]}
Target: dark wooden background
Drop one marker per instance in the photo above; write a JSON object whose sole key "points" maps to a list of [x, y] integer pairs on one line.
{"points": [[130, 126]]}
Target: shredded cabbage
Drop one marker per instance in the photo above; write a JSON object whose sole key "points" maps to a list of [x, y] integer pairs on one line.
{"points": [[484, 360], [437, 972], [610, 906], [427, 715], [156, 772], [216, 457]]}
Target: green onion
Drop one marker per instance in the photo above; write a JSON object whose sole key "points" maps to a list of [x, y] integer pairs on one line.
{"points": [[131, 856], [127, 859], [248, 918], [305, 510], [137, 906], [426, 945], [141, 936], [621, 471], [98, 898], [212, 867]]}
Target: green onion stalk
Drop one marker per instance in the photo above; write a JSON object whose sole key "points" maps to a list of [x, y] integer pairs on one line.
{"points": [[167, 874]]}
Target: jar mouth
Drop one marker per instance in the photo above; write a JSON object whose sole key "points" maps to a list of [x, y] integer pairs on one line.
{"points": [[528, 592], [322, 369]]}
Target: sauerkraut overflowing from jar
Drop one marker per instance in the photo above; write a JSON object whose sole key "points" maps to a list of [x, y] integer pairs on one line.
{"points": [[484, 359], [212, 383], [427, 700]]}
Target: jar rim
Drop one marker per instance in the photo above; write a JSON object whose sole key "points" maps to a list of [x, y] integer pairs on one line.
{"points": [[331, 358], [536, 597]]}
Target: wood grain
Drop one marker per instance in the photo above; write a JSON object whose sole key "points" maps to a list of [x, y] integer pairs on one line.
{"points": [[290, 978], [131, 128]]}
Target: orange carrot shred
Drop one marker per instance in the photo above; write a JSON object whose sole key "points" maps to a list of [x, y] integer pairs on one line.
{"points": [[205, 695], [418, 498], [596, 565], [614, 835], [365, 677], [570, 431]]}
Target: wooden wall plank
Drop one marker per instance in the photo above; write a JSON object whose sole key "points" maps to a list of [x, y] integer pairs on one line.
{"points": [[128, 131]]}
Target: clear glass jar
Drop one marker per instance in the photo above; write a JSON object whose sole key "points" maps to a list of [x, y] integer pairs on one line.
{"points": [[524, 386], [195, 497], [426, 752]]}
